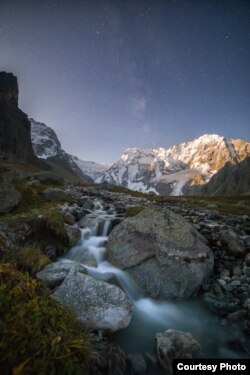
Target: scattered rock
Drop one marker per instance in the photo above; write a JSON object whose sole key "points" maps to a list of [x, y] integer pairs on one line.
{"points": [[9, 198], [235, 283], [173, 344], [247, 260], [136, 363], [73, 234], [220, 306], [237, 315], [97, 304], [69, 219], [246, 271], [237, 271], [232, 243], [247, 243], [247, 304], [51, 252]]}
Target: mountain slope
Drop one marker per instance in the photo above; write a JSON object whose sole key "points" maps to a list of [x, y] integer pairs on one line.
{"points": [[167, 171], [46, 145], [230, 180]]}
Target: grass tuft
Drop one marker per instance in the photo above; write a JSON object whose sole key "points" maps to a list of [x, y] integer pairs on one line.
{"points": [[132, 211], [28, 258], [39, 335]]}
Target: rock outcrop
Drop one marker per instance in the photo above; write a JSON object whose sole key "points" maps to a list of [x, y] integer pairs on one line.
{"points": [[15, 137], [163, 253]]}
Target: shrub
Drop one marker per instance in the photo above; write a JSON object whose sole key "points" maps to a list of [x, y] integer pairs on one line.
{"points": [[38, 336], [54, 221], [27, 258], [31, 259]]}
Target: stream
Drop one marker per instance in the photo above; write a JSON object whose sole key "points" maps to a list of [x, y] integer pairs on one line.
{"points": [[149, 315]]}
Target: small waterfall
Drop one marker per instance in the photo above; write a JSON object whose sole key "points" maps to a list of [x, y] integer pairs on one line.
{"points": [[106, 227], [149, 315], [98, 205], [105, 270]]}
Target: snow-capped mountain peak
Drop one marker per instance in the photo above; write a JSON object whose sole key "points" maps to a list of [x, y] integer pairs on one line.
{"points": [[169, 170], [166, 171], [47, 146]]}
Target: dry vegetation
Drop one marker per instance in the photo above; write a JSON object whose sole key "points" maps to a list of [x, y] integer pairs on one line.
{"points": [[38, 336]]}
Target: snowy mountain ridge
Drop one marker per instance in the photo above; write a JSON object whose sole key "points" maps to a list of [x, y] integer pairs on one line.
{"points": [[169, 170], [166, 171]]}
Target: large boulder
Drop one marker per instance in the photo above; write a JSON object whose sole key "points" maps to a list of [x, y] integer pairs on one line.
{"points": [[173, 344], [97, 304], [164, 254], [9, 198]]}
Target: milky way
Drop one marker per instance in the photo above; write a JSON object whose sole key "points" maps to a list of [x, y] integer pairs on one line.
{"points": [[108, 75]]}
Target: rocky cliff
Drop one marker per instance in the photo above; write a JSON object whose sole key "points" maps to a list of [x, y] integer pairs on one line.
{"points": [[15, 135]]}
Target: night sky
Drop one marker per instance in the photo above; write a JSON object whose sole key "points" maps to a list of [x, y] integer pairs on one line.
{"points": [[108, 75]]}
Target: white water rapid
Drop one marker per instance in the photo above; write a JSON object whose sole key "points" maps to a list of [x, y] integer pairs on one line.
{"points": [[149, 316]]}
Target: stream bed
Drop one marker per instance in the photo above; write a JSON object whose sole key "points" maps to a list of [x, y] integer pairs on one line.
{"points": [[149, 316]]}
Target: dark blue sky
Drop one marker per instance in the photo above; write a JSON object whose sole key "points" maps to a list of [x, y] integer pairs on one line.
{"points": [[107, 75]]}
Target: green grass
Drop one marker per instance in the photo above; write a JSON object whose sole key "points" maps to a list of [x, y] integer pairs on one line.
{"points": [[39, 335], [27, 258], [224, 204], [19, 166], [132, 211]]}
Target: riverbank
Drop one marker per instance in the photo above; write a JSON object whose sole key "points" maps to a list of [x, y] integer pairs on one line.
{"points": [[51, 219]]}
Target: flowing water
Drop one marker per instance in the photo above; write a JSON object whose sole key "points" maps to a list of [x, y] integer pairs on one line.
{"points": [[149, 316]]}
